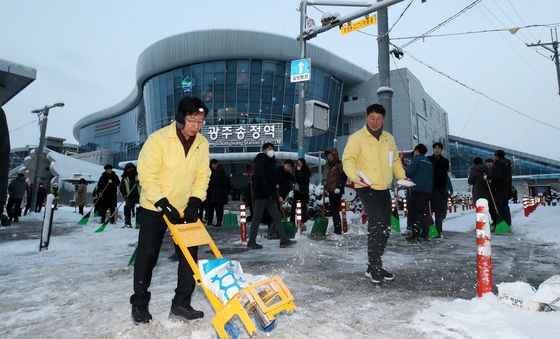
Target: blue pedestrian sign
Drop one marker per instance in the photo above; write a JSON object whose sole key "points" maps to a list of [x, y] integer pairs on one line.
{"points": [[301, 70]]}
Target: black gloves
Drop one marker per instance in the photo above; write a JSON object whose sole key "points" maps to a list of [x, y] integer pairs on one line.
{"points": [[191, 212], [169, 211]]}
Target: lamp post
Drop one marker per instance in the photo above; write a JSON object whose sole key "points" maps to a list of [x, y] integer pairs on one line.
{"points": [[43, 116]]}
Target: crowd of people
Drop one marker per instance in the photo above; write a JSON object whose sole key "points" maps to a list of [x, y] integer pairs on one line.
{"points": [[177, 179]]}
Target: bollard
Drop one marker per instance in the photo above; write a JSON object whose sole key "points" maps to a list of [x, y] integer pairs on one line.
{"points": [[344, 221], [454, 205], [449, 204], [484, 250], [364, 217], [405, 208], [299, 223], [242, 222]]}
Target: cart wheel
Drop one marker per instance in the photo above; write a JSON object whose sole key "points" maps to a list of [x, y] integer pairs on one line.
{"points": [[232, 330], [268, 328]]}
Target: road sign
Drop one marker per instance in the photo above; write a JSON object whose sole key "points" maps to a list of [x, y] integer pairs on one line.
{"points": [[356, 25], [300, 70]]}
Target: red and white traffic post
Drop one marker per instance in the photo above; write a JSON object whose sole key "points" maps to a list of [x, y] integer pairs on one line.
{"points": [[299, 223], [344, 220], [242, 222], [484, 250]]}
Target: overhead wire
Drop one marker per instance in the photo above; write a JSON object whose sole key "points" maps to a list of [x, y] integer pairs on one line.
{"points": [[22, 126], [443, 23], [483, 94], [400, 16], [521, 19]]}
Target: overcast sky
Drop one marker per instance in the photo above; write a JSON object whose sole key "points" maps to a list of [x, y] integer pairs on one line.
{"points": [[85, 53]]}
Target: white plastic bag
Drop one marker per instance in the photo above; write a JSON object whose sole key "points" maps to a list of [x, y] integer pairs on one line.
{"points": [[518, 294], [225, 277], [549, 293]]}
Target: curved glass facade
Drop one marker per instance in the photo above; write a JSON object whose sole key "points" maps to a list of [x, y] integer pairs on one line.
{"points": [[243, 91], [461, 155]]}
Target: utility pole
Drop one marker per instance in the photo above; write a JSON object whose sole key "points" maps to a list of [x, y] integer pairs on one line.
{"points": [[301, 130], [384, 91], [554, 49], [43, 116]]}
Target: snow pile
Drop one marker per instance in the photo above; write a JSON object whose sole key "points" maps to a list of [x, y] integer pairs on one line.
{"points": [[485, 317]]}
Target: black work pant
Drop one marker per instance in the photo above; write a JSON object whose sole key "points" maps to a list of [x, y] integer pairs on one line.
{"points": [[103, 210], [129, 207], [152, 231], [334, 211], [270, 205], [14, 208], [81, 209], [219, 208], [439, 202], [503, 207], [304, 199], [419, 213], [377, 205]]}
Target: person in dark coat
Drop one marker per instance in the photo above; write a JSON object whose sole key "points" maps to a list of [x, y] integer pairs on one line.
{"points": [[219, 188], [301, 189], [81, 195], [130, 190], [265, 197], [421, 171], [478, 179], [16, 191], [204, 213], [285, 178], [336, 180], [501, 179], [107, 187], [438, 199], [41, 197]]}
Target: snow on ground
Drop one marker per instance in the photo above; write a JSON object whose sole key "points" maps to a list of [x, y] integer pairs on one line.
{"points": [[80, 286]]}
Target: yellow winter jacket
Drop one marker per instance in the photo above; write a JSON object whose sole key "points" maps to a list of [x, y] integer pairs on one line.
{"points": [[165, 172], [377, 159]]}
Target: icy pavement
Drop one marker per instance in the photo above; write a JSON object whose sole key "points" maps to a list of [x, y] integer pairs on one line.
{"points": [[80, 287]]}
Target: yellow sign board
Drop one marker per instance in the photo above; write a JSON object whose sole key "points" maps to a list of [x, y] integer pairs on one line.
{"points": [[356, 25]]}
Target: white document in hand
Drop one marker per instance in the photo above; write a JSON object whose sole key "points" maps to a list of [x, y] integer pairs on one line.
{"points": [[363, 179]]}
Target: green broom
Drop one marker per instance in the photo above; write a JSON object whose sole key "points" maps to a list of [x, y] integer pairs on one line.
{"points": [[432, 231], [320, 225], [501, 225], [102, 227], [133, 257], [85, 219], [395, 222]]}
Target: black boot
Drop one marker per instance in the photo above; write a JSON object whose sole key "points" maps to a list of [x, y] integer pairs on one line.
{"points": [[184, 313], [141, 314], [253, 245]]}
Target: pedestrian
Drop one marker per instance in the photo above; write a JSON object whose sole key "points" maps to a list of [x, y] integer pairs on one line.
{"points": [[438, 198], [336, 180], [421, 171], [130, 190], [41, 197], [16, 190], [478, 176], [28, 195], [173, 167], [56, 192], [301, 189], [514, 195], [81, 195], [219, 188], [107, 187], [371, 161], [501, 179], [206, 213], [265, 194]]}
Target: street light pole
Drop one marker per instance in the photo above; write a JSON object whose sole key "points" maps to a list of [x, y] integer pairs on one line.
{"points": [[43, 115], [384, 91], [301, 130]]}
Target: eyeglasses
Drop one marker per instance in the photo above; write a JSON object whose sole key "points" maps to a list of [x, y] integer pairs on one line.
{"points": [[195, 122]]}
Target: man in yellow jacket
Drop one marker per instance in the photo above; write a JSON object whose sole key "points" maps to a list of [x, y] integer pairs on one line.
{"points": [[173, 169], [371, 160]]}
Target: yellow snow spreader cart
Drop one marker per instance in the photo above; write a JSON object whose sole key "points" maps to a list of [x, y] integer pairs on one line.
{"points": [[261, 300]]}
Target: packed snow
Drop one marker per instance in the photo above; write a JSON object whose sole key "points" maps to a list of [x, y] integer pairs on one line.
{"points": [[80, 286]]}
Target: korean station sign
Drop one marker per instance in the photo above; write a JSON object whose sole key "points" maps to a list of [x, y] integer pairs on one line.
{"points": [[356, 25], [243, 135]]}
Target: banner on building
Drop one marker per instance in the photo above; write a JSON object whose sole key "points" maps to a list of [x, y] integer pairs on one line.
{"points": [[243, 135]]}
